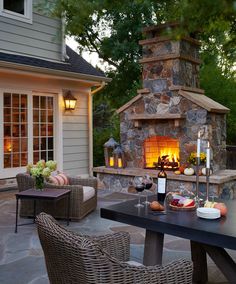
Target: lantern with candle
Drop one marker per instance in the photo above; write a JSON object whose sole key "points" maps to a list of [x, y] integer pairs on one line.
{"points": [[109, 148], [119, 158]]}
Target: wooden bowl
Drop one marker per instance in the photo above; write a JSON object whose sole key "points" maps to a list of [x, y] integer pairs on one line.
{"points": [[176, 208]]}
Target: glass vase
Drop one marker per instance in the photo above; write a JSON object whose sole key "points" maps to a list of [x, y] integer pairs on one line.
{"points": [[39, 182]]}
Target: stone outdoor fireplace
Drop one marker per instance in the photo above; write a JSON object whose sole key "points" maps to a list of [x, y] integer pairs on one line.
{"points": [[166, 115]]}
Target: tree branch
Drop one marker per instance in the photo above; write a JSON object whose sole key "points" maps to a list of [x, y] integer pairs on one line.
{"points": [[98, 51]]}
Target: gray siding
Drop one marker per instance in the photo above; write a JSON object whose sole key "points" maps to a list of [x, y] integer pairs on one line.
{"points": [[40, 39], [76, 139]]}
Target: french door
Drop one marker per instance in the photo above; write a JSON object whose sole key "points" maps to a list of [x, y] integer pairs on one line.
{"points": [[27, 130]]}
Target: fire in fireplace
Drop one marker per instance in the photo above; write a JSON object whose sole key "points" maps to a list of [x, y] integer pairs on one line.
{"points": [[158, 147]]}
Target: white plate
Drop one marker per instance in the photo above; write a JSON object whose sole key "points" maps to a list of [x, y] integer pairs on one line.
{"points": [[208, 213]]}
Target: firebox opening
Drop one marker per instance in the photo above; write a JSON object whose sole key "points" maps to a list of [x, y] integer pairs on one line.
{"points": [[156, 147]]}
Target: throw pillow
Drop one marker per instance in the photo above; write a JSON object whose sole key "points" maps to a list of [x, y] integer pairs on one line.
{"points": [[60, 179]]}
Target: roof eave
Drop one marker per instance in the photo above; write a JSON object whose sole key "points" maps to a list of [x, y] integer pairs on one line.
{"points": [[60, 73]]}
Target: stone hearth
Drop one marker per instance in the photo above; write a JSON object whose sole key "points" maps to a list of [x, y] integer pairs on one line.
{"points": [[222, 183]]}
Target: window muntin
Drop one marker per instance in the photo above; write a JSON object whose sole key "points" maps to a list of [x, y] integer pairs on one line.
{"points": [[17, 9], [15, 129], [43, 128]]}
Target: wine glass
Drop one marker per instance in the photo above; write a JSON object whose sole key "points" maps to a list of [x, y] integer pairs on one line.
{"points": [[139, 186], [148, 182]]}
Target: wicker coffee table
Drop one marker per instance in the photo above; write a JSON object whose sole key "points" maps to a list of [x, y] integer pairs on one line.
{"points": [[48, 194]]}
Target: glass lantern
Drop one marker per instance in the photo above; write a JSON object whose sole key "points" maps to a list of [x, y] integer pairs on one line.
{"points": [[119, 157], [109, 148]]}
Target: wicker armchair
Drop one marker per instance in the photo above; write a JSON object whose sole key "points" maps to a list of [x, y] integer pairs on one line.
{"points": [[73, 258], [78, 207]]}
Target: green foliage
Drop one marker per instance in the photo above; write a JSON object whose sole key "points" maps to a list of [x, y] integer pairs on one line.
{"points": [[113, 29], [222, 89]]}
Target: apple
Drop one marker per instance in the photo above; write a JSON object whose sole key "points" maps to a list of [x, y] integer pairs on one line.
{"points": [[156, 206], [188, 202], [222, 207]]}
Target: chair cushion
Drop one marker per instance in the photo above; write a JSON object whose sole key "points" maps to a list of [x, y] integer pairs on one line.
{"points": [[60, 179], [88, 192]]}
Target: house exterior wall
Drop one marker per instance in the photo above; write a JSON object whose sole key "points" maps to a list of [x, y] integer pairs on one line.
{"points": [[76, 138], [41, 38], [72, 128]]}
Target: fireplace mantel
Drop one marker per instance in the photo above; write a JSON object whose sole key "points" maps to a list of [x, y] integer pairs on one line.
{"points": [[166, 116]]}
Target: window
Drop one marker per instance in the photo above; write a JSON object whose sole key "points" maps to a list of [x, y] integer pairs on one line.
{"points": [[27, 125], [17, 9]]}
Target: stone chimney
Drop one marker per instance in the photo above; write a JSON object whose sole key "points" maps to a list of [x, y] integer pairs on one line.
{"points": [[168, 62]]}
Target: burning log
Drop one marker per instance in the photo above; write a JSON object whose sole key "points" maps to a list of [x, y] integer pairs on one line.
{"points": [[169, 163]]}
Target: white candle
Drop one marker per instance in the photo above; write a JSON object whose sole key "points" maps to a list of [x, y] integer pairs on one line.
{"points": [[198, 144], [208, 156]]}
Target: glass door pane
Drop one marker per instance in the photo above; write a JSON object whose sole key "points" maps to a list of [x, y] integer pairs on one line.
{"points": [[15, 128], [43, 128]]}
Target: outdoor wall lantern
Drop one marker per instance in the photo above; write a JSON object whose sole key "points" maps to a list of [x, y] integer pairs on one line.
{"points": [[109, 148], [70, 101], [119, 157]]}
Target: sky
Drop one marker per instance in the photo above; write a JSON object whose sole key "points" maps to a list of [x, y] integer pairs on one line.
{"points": [[92, 58]]}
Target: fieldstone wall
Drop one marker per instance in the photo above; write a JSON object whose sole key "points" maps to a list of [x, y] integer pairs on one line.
{"points": [[196, 118], [175, 71], [123, 183]]}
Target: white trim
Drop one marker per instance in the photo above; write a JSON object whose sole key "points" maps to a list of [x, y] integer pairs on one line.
{"points": [[58, 151], [46, 72], [90, 129], [9, 172], [30, 128], [27, 17]]}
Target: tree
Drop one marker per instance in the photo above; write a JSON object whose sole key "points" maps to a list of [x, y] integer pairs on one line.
{"points": [[113, 29]]}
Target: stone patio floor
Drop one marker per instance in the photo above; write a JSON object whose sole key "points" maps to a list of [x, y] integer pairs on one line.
{"points": [[21, 256]]}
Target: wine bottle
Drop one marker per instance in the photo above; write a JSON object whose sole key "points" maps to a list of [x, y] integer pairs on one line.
{"points": [[161, 183]]}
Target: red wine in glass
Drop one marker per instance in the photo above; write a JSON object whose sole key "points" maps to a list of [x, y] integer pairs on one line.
{"points": [[148, 181], [148, 186], [139, 186]]}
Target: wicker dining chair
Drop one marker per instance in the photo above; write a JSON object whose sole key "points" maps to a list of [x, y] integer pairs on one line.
{"points": [[74, 258], [78, 207]]}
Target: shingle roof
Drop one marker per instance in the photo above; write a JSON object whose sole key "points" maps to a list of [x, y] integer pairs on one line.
{"points": [[75, 63]]}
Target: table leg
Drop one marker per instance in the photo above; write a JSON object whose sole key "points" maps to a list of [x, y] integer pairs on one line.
{"points": [[68, 209], [17, 204], [153, 248], [223, 260], [199, 259]]}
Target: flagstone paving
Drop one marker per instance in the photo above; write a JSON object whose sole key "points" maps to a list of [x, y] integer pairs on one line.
{"points": [[21, 256]]}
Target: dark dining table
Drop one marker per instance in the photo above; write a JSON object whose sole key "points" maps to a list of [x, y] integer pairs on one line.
{"points": [[206, 236]]}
